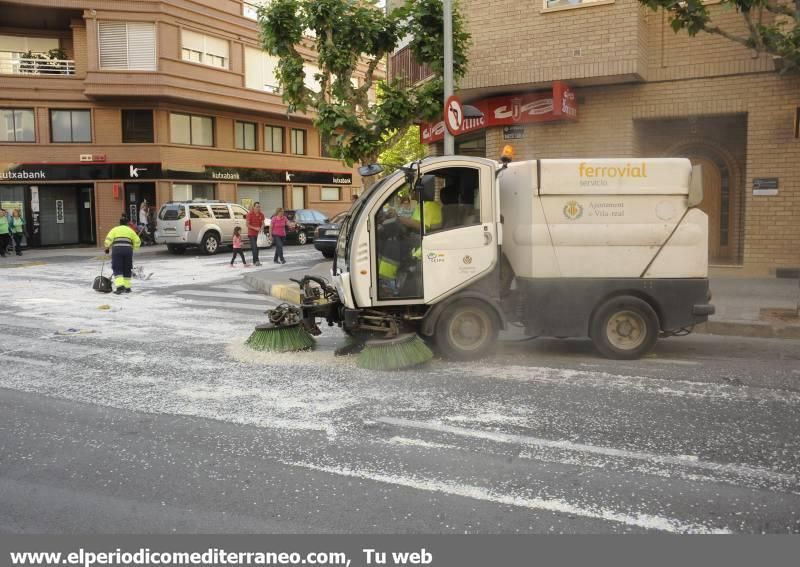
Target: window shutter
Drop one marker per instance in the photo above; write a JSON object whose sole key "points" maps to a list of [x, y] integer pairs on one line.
{"points": [[253, 69], [113, 45], [192, 40], [218, 47], [142, 46]]}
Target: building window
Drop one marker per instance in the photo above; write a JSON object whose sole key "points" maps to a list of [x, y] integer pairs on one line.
{"points": [[137, 126], [330, 194], [250, 8], [127, 45], [17, 125], [204, 49], [71, 126], [327, 146], [192, 191], [548, 4], [259, 70], [273, 139], [191, 129], [245, 135], [298, 141]]}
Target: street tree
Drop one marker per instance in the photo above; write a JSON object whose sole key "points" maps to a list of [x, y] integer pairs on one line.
{"points": [[772, 26], [352, 38], [405, 150]]}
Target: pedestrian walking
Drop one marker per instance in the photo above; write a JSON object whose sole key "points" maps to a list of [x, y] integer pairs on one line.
{"points": [[5, 233], [255, 224], [237, 246], [17, 229], [277, 228], [122, 240], [144, 212]]}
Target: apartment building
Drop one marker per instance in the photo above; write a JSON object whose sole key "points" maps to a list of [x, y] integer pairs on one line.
{"points": [[608, 78], [106, 103]]}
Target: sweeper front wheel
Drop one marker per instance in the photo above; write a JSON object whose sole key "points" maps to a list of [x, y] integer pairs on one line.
{"points": [[467, 330]]}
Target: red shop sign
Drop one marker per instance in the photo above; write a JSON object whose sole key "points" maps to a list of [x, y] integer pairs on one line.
{"points": [[560, 104]]}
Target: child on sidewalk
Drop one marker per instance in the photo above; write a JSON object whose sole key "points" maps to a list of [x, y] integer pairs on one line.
{"points": [[237, 246]]}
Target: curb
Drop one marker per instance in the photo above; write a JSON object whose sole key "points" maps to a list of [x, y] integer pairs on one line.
{"points": [[288, 292], [755, 329]]}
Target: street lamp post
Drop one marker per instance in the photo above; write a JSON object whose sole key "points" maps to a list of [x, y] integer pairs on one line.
{"points": [[447, 12]]}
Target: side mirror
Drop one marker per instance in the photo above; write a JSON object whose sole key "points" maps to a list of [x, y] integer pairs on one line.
{"points": [[370, 170], [696, 186]]}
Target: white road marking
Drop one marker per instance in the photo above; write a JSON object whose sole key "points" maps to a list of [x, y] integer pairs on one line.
{"points": [[757, 473], [255, 296], [230, 305], [671, 361], [646, 521]]}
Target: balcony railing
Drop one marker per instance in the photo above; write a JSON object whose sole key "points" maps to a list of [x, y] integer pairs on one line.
{"points": [[13, 64], [402, 66]]}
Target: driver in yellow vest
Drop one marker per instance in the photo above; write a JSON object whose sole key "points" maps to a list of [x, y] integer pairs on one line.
{"points": [[122, 241], [392, 255]]}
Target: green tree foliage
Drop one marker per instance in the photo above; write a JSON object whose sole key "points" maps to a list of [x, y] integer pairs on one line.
{"points": [[406, 149], [352, 38], [773, 26]]}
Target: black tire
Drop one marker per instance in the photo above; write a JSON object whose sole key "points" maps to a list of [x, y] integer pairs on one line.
{"points": [[210, 243], [175, 249], [328, 255], [624, 328], [467, 330], [302, 238]]}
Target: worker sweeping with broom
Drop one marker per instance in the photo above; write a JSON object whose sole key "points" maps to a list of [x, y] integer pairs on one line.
{"points": [[122, 241]]}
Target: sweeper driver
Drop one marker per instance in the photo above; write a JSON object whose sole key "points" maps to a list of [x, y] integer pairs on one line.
{"points": [[122, 241]]}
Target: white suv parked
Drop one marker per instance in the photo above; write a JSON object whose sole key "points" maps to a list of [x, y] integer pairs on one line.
{"points": [[207, 224]]}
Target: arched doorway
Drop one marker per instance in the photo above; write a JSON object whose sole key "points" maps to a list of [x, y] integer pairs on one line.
{"points": [[722, 197], [717, 205]]}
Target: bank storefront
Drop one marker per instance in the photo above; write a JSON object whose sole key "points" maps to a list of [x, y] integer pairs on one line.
{"points": [[75, 203]]}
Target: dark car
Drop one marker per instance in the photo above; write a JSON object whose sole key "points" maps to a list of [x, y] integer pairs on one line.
{"points": [[300, 226], [326, 235]]}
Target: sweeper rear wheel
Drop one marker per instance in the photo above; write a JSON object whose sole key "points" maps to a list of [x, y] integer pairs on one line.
{"points": [[467, 330]]}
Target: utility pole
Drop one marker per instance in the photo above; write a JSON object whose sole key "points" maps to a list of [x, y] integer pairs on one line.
{"points": [[447, 11]]}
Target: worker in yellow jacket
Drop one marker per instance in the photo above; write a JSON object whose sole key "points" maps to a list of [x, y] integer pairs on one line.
{"points": [[122, 241]]}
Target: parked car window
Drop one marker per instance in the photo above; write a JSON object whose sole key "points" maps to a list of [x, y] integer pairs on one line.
{"points": [[199, 212], [172, 212], [221, 211], [239, 212], [305, 216], [319, 216]]}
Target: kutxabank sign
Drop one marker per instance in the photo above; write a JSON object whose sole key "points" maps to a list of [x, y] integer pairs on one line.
{"points": [[40, 172]]}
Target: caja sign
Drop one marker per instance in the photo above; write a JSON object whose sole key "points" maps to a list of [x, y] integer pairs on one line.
{"points": [[559, 104]]}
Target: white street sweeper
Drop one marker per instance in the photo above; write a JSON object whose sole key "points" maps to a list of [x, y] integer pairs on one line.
{"points": [[454, 249]]}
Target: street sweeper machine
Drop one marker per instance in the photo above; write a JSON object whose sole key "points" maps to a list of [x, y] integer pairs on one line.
{"points": [[450, 250]]}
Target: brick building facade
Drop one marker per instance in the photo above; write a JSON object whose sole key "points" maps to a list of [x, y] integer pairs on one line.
{"points": [[643, 90], [106, 103]]}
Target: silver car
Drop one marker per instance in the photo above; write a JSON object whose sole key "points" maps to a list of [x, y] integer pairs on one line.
{"points": [[207, 224]]}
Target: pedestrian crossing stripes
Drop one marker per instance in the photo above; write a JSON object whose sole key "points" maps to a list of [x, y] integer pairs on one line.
{"points": [[233, 298]]}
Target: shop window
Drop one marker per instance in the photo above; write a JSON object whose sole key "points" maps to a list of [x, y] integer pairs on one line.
{"points": [[273, 139], [245, 135], [71, 126], [330, 194], [192, 191], [191, 129], [270, 197], [205, 49], [137, 126], [17, 125], [127, 45], [298, 141]]}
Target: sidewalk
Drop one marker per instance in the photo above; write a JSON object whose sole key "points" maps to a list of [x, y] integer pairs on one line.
{"points": [[762, 307], [39, 256]]}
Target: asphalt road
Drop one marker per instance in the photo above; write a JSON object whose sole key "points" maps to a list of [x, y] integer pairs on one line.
{"points": [[145, 413]]}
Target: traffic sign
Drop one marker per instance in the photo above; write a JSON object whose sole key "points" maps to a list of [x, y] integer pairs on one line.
{"points": [[453, 115]]}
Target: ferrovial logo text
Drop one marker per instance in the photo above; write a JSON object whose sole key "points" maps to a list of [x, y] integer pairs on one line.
{"points": [[627, 170], [22, 175]]}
